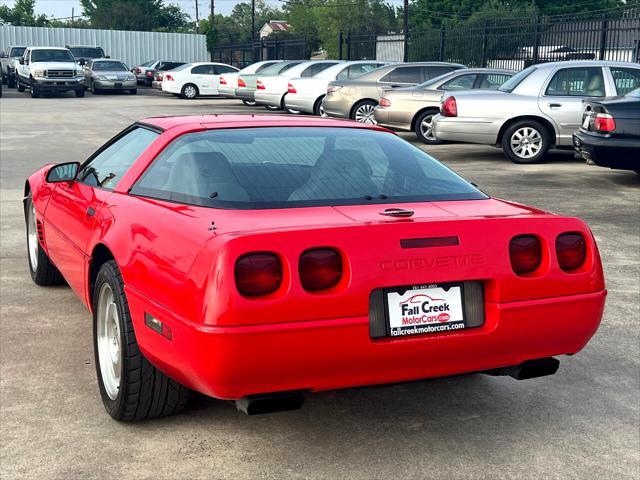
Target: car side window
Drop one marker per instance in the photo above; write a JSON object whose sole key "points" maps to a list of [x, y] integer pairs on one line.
{"points": [[626, 79], [463, 82], [202, 70], [220, 69], [436, 71], [316, 68], [491, 81], [107, 168], [356, 70], [411, 74], [577, 82]]}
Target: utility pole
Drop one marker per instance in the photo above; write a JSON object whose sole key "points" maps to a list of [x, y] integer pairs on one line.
{"points": [[405, 28], [212, 25], [212, 13], [197, 18], [72, 17], [253, 21]]}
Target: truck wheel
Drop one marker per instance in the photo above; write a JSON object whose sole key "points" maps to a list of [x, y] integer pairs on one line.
{"points": [[133, 91], [20, 87], [526, 142], [79, 92], [189, 91], [33, 90], [423, 127], [4, 79], [42, 271], [11, 81], [131, 388]]}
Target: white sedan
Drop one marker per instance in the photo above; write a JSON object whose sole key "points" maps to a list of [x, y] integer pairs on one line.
{"points": [[194, 79], [229, 81], [271, 90], [306, 94]]}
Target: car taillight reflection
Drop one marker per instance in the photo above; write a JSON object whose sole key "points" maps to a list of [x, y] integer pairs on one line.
{"points": [[571, 250], [525, 252], [320, 269], [258, 274], [449, 107]]}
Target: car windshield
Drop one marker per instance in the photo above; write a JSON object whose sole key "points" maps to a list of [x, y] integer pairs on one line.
{"points": [[51, 56], [17, 51], [110, 66], [439, 78], [181, 67], [510, 85], [277, 167], [87, 52]]}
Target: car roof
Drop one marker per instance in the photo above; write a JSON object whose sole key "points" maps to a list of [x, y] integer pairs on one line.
{"points": [[215, 121], [584, 63], [48, 48]]}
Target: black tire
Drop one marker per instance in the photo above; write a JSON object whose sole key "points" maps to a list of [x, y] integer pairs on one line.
{"points": [[35, 93], [92, 87], [133, 91], [11, 81], [317, 107], [44, 273], [533, 135], [4, 80], [249, 103], [424, 133], [79, 92], [186, 92], [20, 86], [144, 391], [272, 108], [364, 104]]}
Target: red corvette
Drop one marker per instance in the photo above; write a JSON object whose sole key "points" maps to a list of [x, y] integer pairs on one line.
{"points": [[260, 258]]}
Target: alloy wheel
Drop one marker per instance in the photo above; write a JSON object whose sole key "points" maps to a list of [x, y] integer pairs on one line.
{"points": [[108, 339], [526, 142], [190, 91], [426, 128], [364, 114]]}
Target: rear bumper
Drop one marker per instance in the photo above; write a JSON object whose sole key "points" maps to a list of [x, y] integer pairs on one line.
{"points": [[226, 91], [611, 152], [394, 120], [156, 84], [245, 94], [272, 99], [472, 130], [234, 362], [171, 87], [300, 103], [336, 106]]}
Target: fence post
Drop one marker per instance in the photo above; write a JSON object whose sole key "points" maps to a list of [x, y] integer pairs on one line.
{"points": [[603, 38], [405, 43], [484, 45], [441, 53], [277, 57], [261, 49], [307, 54], [348, 45], [536, 41], [340, 46]]}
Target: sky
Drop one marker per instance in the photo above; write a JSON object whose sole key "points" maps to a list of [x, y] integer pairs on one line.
{"points": [[62, 8]]}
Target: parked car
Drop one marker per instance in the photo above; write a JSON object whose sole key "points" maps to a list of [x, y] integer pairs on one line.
{"points": [[271, 90], [49, 69], [247, 82], [239, 262], [84, 53], [610, 132], [305, 94], [9, 61], [356, 98], [194, 79], [535, 110], [144, 73], [104, 74], [412, 108], [229, 81], [158, 74]]}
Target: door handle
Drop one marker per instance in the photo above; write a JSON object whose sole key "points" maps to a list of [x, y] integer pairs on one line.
{"points": [[555, 105], [91, 212]]}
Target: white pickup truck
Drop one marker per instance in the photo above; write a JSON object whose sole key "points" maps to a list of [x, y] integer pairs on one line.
{"points": [[49, 69], [8, 62]]}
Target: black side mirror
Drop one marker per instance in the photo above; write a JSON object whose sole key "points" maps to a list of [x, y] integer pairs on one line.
{"points": [[63, 172], [82, 62], [21, 61]]}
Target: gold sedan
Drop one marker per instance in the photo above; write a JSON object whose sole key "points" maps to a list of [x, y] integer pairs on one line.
{"points": [[412, 108]]}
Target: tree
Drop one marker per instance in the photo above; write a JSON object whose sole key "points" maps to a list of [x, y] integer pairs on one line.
{"points": [[22, 13], [145, 15]]}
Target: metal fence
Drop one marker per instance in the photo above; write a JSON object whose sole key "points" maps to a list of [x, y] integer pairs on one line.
{"points": [[512, 44], [243, 54], [133, 48]]}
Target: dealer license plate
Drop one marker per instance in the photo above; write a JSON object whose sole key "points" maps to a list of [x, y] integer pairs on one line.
{"points": [[424, 309]]}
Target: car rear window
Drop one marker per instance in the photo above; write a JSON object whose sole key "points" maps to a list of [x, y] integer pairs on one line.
{"points": [[511, 84], [276, 167]]}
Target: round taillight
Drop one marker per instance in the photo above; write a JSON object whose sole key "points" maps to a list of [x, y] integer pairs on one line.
{"points": [[258, 274], [525, 253], [571, 249], [320, 269]]}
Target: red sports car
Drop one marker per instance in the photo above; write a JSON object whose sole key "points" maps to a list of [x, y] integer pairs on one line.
{"points": [[260, 258]]}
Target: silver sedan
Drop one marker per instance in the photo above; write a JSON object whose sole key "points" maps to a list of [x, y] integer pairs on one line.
{"points": [[106, 74], [535, 110]]}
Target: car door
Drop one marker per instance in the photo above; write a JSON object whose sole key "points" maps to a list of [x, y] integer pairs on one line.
{"points": [[204, 77], [74, 206], [562, 97], [401, 76]]}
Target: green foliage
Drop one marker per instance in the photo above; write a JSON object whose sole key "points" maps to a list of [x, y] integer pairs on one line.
{"points": [[22, 14], [145, 15]]}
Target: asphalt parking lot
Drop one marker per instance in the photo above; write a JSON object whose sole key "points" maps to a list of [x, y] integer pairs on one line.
{"points": [[584, 422]]}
